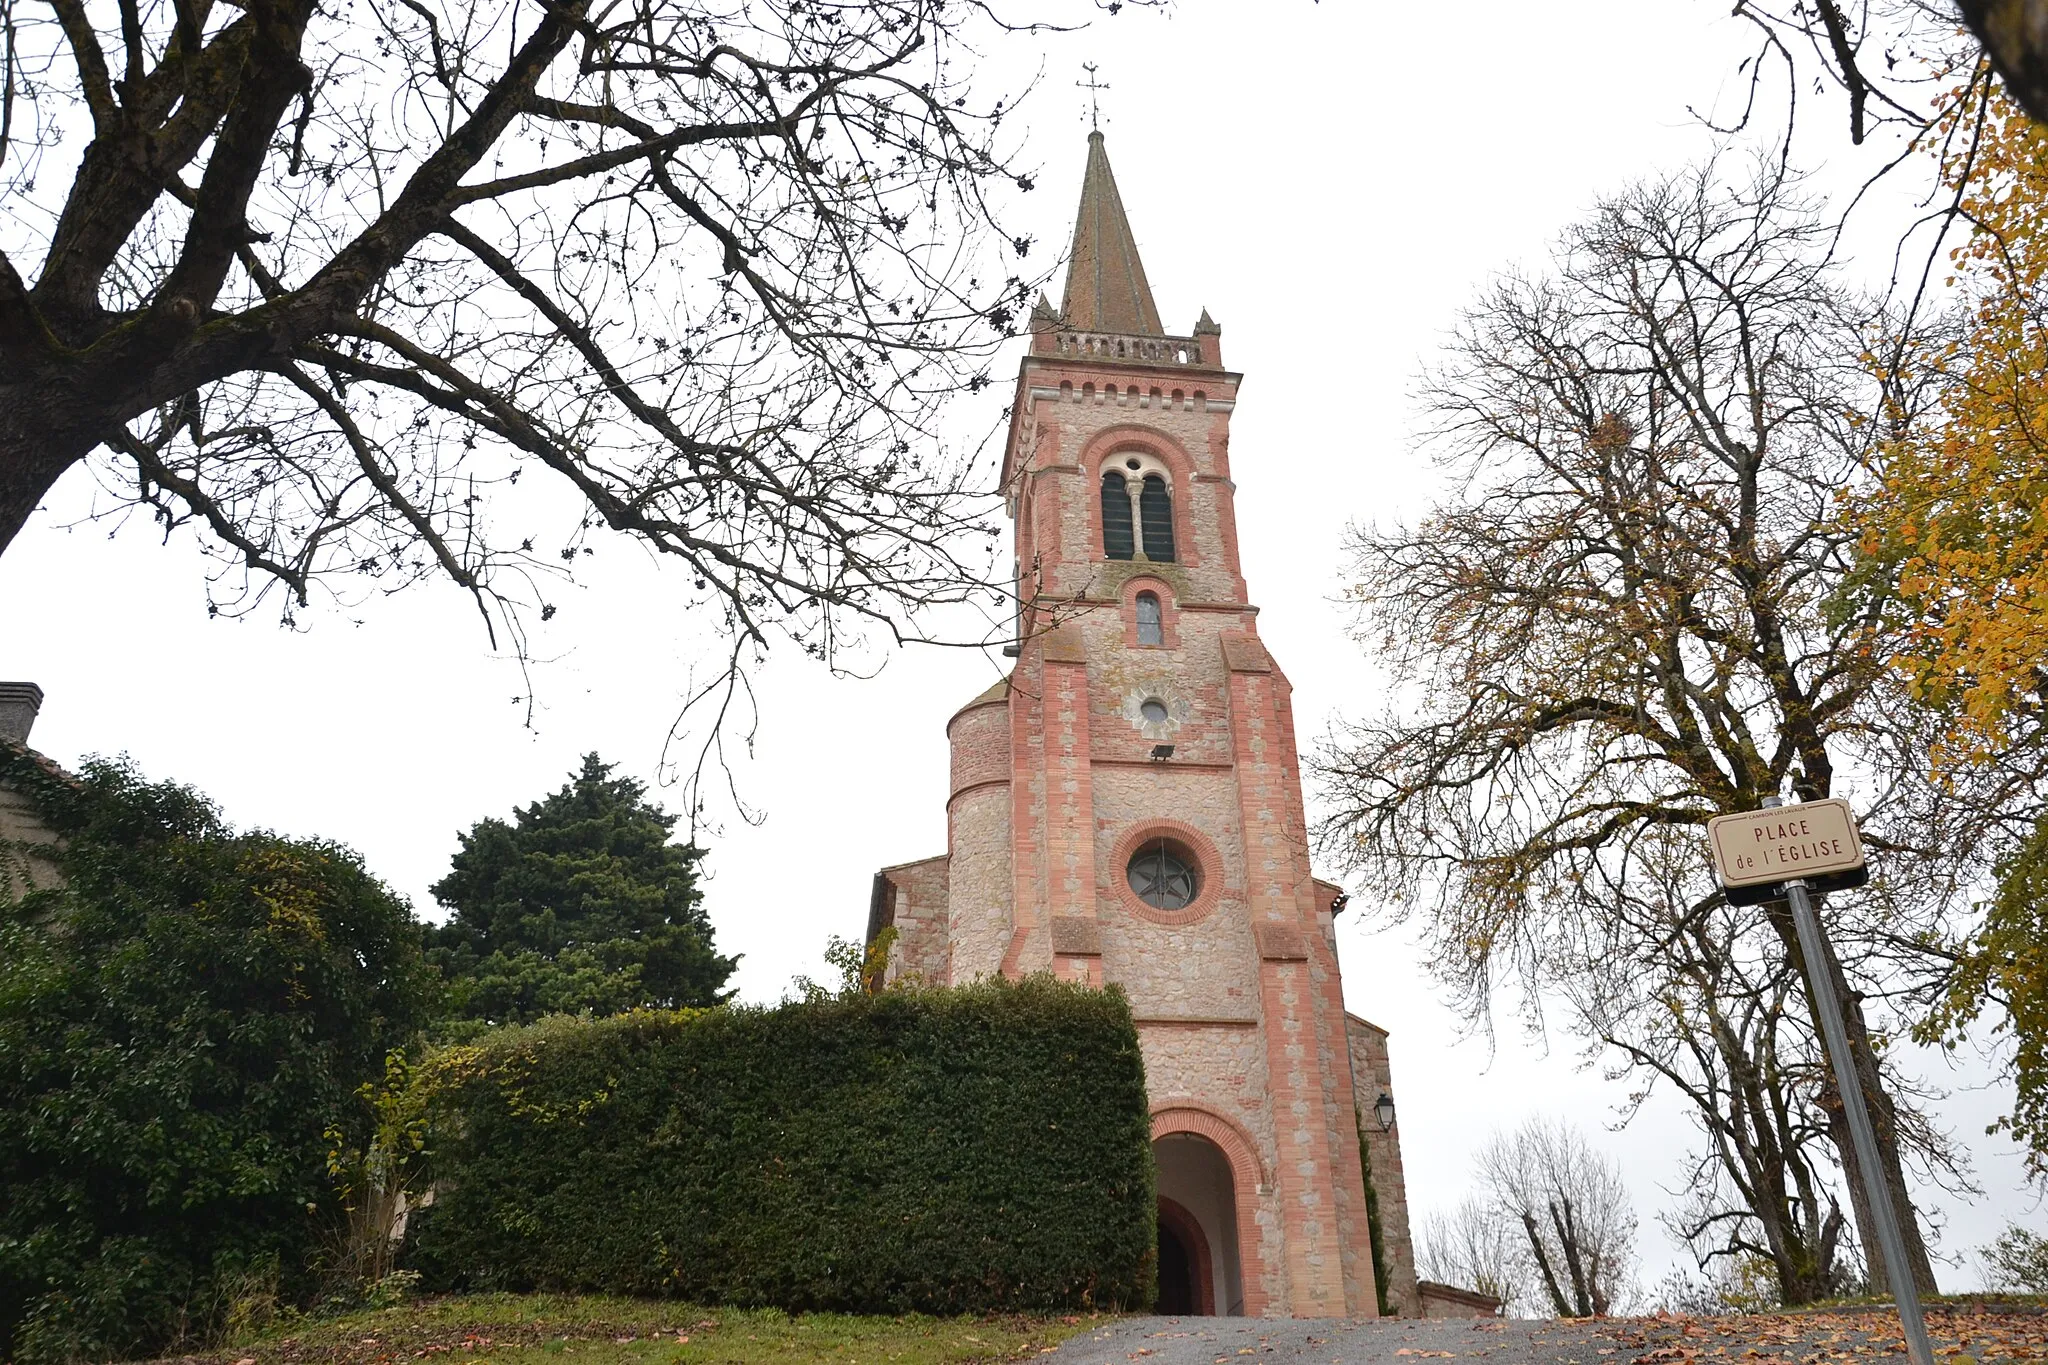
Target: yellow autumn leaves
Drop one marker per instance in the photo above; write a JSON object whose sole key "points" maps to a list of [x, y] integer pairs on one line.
{"points": [[1961, 520], [1962, 511]]}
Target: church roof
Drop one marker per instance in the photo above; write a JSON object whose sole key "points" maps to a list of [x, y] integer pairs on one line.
{"points": [[995, 691], [1106, 289]]}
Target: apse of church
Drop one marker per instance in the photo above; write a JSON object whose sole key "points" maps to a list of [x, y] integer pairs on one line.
{"points": [[1126, 807]]}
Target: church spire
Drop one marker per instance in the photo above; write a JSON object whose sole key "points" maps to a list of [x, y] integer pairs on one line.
{"points": [[1106, 289]]}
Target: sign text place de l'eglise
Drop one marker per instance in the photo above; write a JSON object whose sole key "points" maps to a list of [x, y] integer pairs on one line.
{"points": [[1813, 840]]}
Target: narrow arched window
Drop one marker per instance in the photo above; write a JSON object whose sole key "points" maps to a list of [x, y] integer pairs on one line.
{"points": [[1116, 517], [1155, 511], [1149, 630]]}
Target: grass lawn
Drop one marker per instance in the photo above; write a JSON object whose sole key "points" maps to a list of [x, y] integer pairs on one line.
{"points": [[544, 1329]]}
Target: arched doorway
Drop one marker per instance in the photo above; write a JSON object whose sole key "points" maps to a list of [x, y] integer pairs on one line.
{"points": [[1187, 1277], [1198, 1252]]}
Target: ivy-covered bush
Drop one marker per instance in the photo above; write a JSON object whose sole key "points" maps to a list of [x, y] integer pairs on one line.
{"points": [[968, 1150], [180, 1024]]}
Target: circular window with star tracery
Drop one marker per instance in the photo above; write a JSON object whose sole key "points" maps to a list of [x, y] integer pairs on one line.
{"points": [[1166, 871], [1163, 875]]}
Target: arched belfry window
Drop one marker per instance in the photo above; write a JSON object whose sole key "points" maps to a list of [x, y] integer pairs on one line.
{"points": [[1117, 542], [1150, 631], [1155, 514]]}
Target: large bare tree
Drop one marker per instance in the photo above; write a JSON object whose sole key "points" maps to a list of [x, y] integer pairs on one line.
{"points": [[1637, 612], [326, 281]]}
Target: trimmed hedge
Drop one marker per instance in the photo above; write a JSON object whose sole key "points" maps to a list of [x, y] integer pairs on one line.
{"points": [[978, 1149]]}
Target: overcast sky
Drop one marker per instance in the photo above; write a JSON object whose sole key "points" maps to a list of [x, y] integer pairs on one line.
{"points": [[1332, 182]]}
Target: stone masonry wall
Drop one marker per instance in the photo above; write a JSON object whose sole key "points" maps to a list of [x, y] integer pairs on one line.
{"points": [[979, 875], [1219, 1066], [1087, 787], [24, 867], [917, 911], [1122, 734], [1374, 1077], [1059, 776]]}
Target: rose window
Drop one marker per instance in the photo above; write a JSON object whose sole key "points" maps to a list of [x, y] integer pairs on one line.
{"points": [[1163, 875]]}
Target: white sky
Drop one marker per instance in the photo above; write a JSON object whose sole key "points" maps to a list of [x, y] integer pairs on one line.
{"points": [[1332, 182]]}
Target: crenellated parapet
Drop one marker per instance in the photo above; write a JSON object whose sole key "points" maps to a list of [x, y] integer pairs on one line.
{"points": [[1119, 348]]}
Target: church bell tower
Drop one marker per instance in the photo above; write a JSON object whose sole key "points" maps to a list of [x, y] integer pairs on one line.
{"points": [[1126, 807]]}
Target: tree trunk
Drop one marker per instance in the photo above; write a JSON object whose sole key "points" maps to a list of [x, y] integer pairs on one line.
{"points": [[1557, 1301], [1568, 1239], [32, 457], [2015, 34], [1882, 1120]]}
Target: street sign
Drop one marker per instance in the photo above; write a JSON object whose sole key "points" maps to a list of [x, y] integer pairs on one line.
{"points": [[1756, 851]]}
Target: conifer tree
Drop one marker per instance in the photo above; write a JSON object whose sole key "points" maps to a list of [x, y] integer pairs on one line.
{"points": [[581, 904]]}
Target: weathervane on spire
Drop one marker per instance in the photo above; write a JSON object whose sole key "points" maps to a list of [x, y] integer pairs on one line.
{"points": [[1094, 88]]}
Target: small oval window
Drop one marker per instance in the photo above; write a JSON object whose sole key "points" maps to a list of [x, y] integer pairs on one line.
{"points": [[1154, 711]]}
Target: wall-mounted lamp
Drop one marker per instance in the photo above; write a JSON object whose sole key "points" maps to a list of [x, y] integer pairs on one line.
{"points": [[1162, 751], [1383, 1110]]}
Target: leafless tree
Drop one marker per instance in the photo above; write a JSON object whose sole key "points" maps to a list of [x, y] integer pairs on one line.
{"points": [[1473, 1247], [326, 281], [1888, 60], [1914, 79], [1700, 1001], [1568, 1201], [1907, 78], [1637, 613]]}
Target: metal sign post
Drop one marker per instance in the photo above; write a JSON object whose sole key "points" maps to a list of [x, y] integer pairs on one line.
{"points": [[1918, 1348], [1752, 853]]}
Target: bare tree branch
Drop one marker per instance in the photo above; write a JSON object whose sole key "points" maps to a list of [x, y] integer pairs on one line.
{"points": [[709, 271]]}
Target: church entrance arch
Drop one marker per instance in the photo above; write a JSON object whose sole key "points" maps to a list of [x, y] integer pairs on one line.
{"points": [[1199, 1255]]}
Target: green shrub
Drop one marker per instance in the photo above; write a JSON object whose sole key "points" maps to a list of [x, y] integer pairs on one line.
{"points": [[970, 1150], [180, 1024], [1374, 1231]]}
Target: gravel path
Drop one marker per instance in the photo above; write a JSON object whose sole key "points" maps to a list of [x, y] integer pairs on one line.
{"points": [[1964, 1334], [1310, 1341]]}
